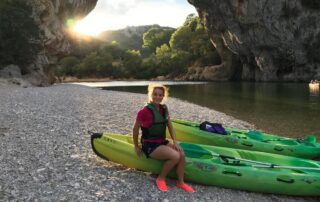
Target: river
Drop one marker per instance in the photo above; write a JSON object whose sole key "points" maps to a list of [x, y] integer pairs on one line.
{"points": [[286, 109]]}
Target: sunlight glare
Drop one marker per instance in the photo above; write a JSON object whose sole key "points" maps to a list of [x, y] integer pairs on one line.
{"points": [[91, 25], [112, 15]]}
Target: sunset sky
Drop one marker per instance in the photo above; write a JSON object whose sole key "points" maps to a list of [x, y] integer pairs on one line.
{"points": [[111, 14]]}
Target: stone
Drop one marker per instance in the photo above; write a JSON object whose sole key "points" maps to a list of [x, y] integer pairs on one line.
{"points": [[11, 74], [10, 71]]}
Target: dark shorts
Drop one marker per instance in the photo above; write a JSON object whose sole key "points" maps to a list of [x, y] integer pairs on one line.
{"points": [[149, 147]]}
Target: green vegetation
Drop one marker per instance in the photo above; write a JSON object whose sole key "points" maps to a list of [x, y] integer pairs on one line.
{"points": [[128, 38], [313, 4], [18, 34], [163, 52], [156, 37]]}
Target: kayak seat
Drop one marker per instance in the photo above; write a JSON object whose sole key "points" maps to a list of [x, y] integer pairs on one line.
{"points": [[309, 140], [256, 135]]}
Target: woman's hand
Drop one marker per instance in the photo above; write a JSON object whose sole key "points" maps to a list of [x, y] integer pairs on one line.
{"points": [[177, 147], [173, 137], [138, 151]]}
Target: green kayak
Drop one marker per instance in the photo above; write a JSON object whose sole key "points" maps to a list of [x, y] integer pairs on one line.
{"points": [[248, 140], [220, 166]]}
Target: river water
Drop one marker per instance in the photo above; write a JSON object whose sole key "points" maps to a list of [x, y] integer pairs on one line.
{"points": [[287, 109]]}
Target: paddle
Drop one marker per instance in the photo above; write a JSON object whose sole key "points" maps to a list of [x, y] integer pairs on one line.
{"points": [[263, 164], [286, 167], [225, 158], [196, 149]]}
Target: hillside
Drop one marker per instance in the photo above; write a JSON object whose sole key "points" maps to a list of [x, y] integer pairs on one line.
{"points": [[130, 37]]}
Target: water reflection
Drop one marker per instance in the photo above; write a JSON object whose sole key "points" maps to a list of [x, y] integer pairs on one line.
{"points": [[314, 95], [314, 89]]}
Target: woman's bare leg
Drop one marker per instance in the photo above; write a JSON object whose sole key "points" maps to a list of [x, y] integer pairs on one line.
{"points": [[180, 165], [171, 156], [180, 168]]}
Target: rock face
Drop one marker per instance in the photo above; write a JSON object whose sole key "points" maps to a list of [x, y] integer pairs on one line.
{"points": [[275, 40], [51, 16]]}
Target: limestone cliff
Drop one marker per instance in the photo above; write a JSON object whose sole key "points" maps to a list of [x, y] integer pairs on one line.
{"points": [[275, 40], [51, 16]]}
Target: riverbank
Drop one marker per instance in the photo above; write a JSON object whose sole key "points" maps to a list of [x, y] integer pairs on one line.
{"points": [[71, 79], [45, 151]]}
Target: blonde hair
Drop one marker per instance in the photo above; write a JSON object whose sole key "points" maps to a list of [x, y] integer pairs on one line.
{"points": [[164, 89]]}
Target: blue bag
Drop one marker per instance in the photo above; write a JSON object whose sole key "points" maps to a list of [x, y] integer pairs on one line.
{"points": [[213, 127]]}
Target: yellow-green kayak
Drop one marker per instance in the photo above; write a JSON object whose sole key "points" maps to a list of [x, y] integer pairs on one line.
{"points": [[224, 167], [247, 139]]}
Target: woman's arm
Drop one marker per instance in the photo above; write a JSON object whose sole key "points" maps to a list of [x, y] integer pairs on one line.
{"points": [[171, 131], [173, 135], [135, 135]]}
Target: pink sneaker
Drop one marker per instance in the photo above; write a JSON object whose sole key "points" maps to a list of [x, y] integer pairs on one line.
{"points": [[162, 185], [185, 187]]}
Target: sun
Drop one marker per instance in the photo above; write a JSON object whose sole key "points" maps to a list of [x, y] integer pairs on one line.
{"points": [[86, 28], [92, 25]]}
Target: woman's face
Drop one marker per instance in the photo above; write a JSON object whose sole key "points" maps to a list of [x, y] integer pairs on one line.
{"points": [[157, 95]]}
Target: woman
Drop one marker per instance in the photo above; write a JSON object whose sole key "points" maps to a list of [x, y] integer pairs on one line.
{"points": [[153, 120]]}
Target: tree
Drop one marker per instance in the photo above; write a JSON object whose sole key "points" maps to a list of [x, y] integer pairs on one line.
{"points": [[171, 62], [113, 49], [132, 62], [95, 65], [180, 39], [192, 38], [18, 34], [156, 37], [181, 61], [67, 66], [149, 67]]}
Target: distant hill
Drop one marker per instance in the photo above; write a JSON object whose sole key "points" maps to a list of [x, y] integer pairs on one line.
{"points": [[129, 37]]}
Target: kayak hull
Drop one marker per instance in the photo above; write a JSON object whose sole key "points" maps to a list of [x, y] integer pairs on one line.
{"points": [[203, 167], [249, 140]]}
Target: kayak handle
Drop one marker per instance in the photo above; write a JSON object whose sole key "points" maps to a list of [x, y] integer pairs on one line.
{"points": [[246, 143], [286, 180], [278, 148], [231, 172]]}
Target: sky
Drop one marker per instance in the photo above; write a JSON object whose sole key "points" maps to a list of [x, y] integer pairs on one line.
{"points": [[117, 14]]}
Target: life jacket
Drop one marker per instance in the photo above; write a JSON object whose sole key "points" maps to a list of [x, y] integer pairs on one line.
{"points": [[158, 128]]}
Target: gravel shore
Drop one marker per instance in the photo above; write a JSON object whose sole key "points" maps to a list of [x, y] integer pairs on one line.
{"points": [[46, 155]]}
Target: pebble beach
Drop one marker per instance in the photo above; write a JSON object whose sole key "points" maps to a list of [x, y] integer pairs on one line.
{"points": [[46, 154]]}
